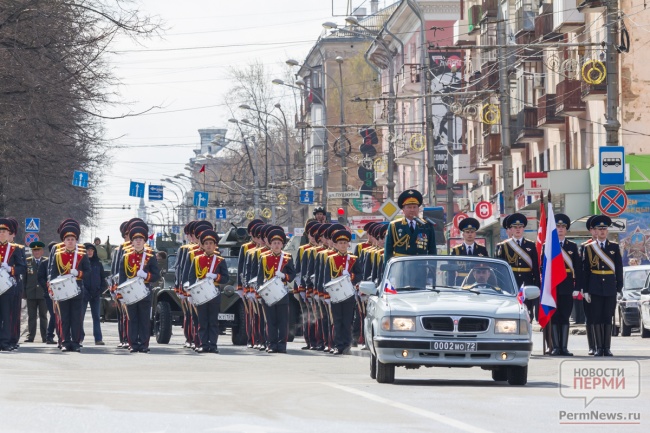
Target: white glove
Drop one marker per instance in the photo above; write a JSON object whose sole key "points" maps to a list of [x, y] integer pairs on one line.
{"points": [[251, 296], [303, 295], [316, 296], [180, 295], [280, 274], [587, 298], [74, 272], [575, 293], [363, 297], [6, 267], [240, 292], [345, 273], [142, 274], [211, 276], [297, 296], [328, 301]]}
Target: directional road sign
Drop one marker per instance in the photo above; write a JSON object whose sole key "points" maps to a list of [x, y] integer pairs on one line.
{"points": [[176, 229], [201, 214], [136, 189], [200, 198], [31, 237], [483, 209], [155, 192], [306, 196], [612, 201], [612, 165], [32, 225], [221, 213], [80, 179]]}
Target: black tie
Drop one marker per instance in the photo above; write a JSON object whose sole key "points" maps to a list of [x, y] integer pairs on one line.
{"points": [[412, 225], [469, 250], [518, 242], [602, 245]]}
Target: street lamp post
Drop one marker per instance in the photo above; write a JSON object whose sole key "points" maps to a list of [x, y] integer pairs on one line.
{"points": [[256, 189], [342, 138]]}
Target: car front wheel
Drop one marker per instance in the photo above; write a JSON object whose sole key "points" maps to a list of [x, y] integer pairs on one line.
{"points": [[163, 322], [626, 330], [645, 333], [517, 375], [500, 374], [373, 366], [385, 372]]}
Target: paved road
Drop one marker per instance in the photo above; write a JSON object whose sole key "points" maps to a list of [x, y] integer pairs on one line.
{"points": [[105, 389]]}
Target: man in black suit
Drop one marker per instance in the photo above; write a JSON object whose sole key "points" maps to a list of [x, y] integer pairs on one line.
{"points": [[469, 247], [603, 271]]}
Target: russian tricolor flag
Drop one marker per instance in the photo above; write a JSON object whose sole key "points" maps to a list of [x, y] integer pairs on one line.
{"points": [[553, 270], [390, 288]]}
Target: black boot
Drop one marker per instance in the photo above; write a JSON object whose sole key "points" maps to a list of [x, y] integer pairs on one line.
{"points": [[590, 339], [600, 338], [564, 337], [555, 339], [607, 342]]}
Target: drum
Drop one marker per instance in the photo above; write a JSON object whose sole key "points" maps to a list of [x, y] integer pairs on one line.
{"points": [[272, 291], [133, 290], [64, 287], [6, 281], [340, 289], [203, 291]]}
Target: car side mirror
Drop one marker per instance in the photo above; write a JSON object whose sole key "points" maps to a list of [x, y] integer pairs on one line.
{"points": [[367, 288], [645, 291], [531, 292], [229, 290]]}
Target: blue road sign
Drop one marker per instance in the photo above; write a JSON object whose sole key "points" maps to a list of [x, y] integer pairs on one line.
{"points": [[612, 201], [136, 189], [80, 179], [201, 214], [306, 196], [612, 165], [176, 229], [200, 198], [31, 237], [155, 192], [221, 213], [32, 225]]}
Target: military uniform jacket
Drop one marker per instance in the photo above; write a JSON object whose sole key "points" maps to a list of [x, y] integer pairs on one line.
{"points": [[299, 281], [401, 241], [131, 265], [603, 269], [573, 265], [311, 267], [241, 264], [202, 264], [16, 260], [522, 259], [178, 267], [253, 262], [62, 261], [337, 263], [271, 263], [321, 260], [377, 266], [33, 287]]}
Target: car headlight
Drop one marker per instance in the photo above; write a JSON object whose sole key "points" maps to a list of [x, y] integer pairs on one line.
{"points": [[505, 327], [398, 323]]}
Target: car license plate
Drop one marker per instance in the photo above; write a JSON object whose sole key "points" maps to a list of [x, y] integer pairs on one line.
{"points": [[224, 316], [454, 346]]}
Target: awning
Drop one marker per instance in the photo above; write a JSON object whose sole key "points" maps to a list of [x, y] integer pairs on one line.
{"points": [[639, 167]]}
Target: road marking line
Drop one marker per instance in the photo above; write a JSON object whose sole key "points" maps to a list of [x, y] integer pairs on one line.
{"points": [[422, 412]]}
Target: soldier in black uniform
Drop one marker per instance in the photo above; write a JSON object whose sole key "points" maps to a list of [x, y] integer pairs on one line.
{"points": [[583, 304], [521, 255], [409, 236], [12, 262], [468, 228], [567, 289], [603, 271]]}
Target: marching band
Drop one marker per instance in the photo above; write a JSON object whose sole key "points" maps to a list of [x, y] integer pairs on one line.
{"points": [[323, 278]]}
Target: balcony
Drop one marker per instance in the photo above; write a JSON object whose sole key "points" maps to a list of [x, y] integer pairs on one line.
{"points": [[566, 17], [544, 25], [525, 17], [528, 54], [592, 6], [473, 19], [477, 163], [527, 126], [490, 8], [546, 117], [593, 92], [460, 34], [490, 75], [492, 144], [569, 100], [409, 78]]}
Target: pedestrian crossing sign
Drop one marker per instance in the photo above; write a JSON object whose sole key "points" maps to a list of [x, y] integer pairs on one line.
{"points": [[32, 225]]}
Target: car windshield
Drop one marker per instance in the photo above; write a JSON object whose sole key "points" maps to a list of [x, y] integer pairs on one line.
{"points": [[171, 261], [635, 279], [481, 276]]}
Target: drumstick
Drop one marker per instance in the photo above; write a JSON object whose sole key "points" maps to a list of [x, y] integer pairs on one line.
{"points": [[329, 310], [126, 311]]}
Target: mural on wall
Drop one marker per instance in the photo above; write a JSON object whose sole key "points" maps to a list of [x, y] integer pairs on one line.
{"points": [[635, 242]]}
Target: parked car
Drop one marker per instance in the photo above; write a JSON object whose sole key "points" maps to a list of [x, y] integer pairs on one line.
{"points": [[626, 315], [644, 309], [418, 317]]}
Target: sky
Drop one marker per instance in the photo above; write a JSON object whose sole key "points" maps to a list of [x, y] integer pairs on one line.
{"points": [[185, 73]]}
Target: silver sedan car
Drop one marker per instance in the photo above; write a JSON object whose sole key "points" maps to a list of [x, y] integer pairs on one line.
{"points": [[444, 311]]}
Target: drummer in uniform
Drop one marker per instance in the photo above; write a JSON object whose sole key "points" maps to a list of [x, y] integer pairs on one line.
{"points": [[521, 255], [567, 289], [378, 266], [602, 265], [409, 236], [308, 266], [13, 265], [299, 284], [469, 247], [323, 296], [70, 260], [188, 230], [277, 263], [139, 262], [209, 265], [241, 282], [18, 289], [338, 265]]}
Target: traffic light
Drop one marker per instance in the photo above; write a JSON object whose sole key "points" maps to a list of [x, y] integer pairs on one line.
{"points": [[341, 215], [368, 150]]}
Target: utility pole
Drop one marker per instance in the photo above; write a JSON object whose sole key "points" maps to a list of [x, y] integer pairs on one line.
{"points": [[612, 124], [504, 99], [342, 138], [390, 185], [450, 162]]}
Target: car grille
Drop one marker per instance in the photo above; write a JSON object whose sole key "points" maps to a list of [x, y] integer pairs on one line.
{"points": [[438, 324], [473, 324]]}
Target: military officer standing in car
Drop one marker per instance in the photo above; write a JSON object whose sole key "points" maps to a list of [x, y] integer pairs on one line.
{"points": [[469, 247], [603, 279], [409, 236], [521, 255]]}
